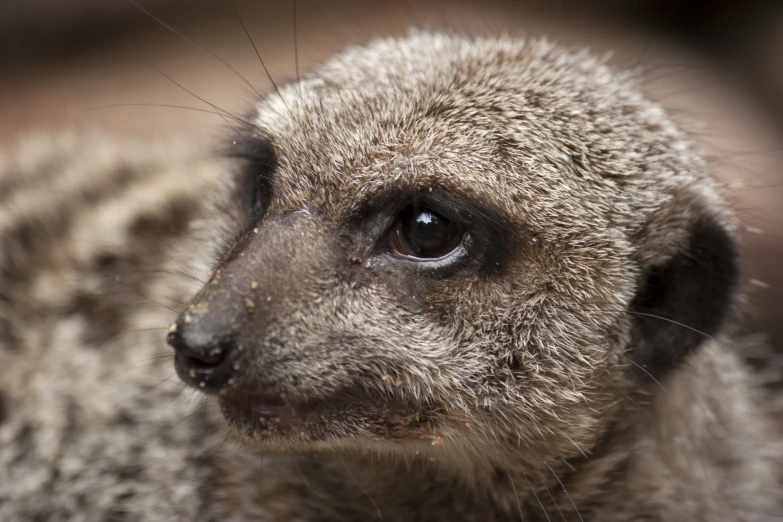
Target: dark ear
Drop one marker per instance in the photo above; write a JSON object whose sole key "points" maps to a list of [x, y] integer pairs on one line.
{"points": [[685, 300]]}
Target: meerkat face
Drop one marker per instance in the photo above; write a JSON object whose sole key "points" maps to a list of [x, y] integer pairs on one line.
{"points": [[450, 243]]}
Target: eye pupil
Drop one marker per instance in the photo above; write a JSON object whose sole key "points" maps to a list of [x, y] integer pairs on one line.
{"points": [[425, 234], [428, 230]]}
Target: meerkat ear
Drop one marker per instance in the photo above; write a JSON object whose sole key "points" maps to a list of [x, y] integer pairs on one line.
{"points": [[686, 300]]}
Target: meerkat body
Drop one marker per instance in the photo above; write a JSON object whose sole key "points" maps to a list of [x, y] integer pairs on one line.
{"points": [[449, 279]]}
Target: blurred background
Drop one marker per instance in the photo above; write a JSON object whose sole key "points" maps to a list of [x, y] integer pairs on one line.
{"points": [[717, 65]]}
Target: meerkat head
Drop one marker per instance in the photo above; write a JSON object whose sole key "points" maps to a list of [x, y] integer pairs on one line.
{"points": [[456, 243]]}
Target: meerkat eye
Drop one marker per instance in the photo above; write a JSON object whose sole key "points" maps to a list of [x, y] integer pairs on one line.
{"points": [[423, 233]]}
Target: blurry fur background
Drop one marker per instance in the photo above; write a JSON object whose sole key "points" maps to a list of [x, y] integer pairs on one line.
{"points": [[717, 65]]}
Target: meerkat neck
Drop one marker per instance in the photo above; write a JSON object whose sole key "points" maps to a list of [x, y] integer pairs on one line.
{"points": [[678, 435]]}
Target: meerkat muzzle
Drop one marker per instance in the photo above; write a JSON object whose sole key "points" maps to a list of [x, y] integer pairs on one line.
{"points": [[225, 342]]}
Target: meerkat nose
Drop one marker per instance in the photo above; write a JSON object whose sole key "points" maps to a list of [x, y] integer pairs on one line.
{"points": [[202, 361]]}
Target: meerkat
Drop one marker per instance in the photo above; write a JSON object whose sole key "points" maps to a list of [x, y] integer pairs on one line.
{"points": [[440, 279]]}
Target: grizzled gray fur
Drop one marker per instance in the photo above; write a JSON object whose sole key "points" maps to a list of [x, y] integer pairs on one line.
{"points": [[558, 349]]}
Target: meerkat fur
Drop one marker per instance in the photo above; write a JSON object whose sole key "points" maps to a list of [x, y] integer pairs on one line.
{"points": [[571, 360]]}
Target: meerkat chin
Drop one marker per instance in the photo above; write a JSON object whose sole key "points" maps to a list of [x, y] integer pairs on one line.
{"points": [[464, 280]]}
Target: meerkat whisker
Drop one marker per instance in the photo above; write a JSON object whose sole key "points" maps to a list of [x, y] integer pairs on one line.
{"points": [[191, 93], [216, 112], [361, 488], [296, 41], [159, 361], [194, 44], [258, 54]]}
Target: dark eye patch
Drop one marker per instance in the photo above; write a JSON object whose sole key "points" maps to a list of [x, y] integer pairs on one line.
{"points": [[394, 217], [254, 181]]}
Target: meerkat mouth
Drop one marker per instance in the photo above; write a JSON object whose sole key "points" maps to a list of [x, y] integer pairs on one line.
{"points": [[268, 407], [289, 423]]}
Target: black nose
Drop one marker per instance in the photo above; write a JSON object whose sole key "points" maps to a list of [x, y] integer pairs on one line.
{"points": [[202, 360]]}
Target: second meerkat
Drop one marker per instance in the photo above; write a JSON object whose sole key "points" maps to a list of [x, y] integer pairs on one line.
{"points": [[470, 279]]}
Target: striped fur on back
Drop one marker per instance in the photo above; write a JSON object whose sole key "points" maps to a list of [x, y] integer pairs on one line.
{"points": [[97, 253]]}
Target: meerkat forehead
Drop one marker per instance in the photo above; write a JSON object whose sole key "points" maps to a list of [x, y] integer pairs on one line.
{"points": [[525, 126]]}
